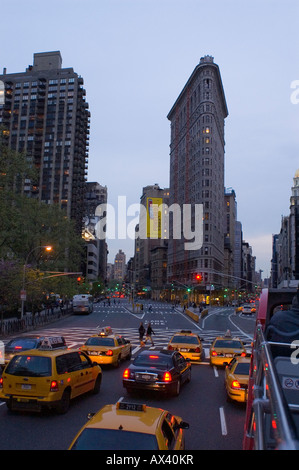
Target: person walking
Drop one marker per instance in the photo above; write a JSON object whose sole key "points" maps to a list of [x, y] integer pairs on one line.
{"points": [[149, 333], [141, 330]]}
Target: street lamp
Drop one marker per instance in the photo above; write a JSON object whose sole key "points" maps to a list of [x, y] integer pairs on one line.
{"points": [[23, 292]]}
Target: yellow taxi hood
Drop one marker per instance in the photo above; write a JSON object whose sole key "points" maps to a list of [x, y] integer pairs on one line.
{"points": [[110, 417]]}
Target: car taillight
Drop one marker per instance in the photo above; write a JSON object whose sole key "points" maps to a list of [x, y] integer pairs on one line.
{"points": [[170, 347], [1, 382], [167, 377], [126, 374], [243, 354], [109, 352], [236, 384], [197, 350], [214, 353], [54, 386]]}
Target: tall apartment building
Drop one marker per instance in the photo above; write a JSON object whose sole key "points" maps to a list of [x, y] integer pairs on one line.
{"points": [[197, 172], [46, 116]]}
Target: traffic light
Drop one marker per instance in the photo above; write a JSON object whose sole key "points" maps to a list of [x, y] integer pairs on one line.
{"points": [[80, 280], [198, 277]]}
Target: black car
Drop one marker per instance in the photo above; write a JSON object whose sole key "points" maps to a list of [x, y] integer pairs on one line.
{"points": [[26, 343], [163, 371]]}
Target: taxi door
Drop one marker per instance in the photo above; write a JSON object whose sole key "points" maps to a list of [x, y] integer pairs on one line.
{"points": [[124, 347], [81, 376]]}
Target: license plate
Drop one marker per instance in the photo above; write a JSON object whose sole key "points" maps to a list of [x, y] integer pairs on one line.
{"points": [[184, 349], [26, 387], [93, 353], [228, 355], [146, 377]]}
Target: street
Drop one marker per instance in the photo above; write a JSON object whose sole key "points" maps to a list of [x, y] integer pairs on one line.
{"points": [[215, 424]]}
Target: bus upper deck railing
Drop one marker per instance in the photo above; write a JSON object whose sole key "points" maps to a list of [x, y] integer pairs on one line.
{"points": [[272, 425]]}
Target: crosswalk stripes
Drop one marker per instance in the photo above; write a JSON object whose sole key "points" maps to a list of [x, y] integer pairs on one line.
{"points": [[76, 336]]}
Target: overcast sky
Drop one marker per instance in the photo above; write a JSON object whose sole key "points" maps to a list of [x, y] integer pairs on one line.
{"points": [[135, 57]]}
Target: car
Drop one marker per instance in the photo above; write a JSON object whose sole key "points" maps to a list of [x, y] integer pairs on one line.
{"points": [[247, 309], [160, 371], [107, 348], [48, 377], [131, 426], [237, 377], [188, 344], [25, 343], [225, 347]]}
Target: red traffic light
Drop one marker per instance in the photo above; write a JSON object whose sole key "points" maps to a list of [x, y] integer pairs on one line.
{"points": [[198, 277]]}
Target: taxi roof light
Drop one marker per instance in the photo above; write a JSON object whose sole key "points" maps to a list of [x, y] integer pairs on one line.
{"points": [[52, 342], [120, 405], [106, 331]]}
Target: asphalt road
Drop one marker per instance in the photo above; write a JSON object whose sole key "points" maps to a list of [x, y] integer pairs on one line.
{"points": [[215, 424]]}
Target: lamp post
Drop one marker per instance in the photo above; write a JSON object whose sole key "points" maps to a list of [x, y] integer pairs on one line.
{"points": [[23, 292]]}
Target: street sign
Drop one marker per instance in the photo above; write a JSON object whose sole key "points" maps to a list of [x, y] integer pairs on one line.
{"points": [[23, 295]]}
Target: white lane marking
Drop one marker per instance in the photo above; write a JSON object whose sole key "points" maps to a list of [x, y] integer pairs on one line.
{"points": [[223, 421]]}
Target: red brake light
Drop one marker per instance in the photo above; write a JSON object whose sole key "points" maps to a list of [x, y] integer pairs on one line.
{"points": [[236, 384], [197, 350], [54, 386], [243, 354], [126, 374], [1, 382], [214, 353], [169, 347], [109, 352], [167, 377]]}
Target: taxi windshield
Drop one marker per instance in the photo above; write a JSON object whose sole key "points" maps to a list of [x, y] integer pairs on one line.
{"points": [[29, 366], [185, 339], [111, 439], [100, 341], [228, 343], [242, 368]]}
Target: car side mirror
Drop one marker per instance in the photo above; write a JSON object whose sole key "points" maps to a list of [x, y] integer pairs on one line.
{"points": [[184, 425]]}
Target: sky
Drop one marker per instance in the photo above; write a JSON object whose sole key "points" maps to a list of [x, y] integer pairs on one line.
{"points": [[135, 57]]}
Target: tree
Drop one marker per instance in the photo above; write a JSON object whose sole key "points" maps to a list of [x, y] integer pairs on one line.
{"points": [[26, 224]]}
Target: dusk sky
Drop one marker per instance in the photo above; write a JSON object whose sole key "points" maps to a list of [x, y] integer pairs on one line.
{"points": [[135, 57]]}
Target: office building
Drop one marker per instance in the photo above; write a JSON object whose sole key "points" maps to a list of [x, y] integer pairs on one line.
{"points": [[152, 233], [96, 247], [197, 173]]}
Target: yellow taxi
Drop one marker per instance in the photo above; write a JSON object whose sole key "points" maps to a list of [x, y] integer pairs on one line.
{"points": [[131, 426], [48, 377], [224, 348], [107, 348], [237, 377], [188, 344]]}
